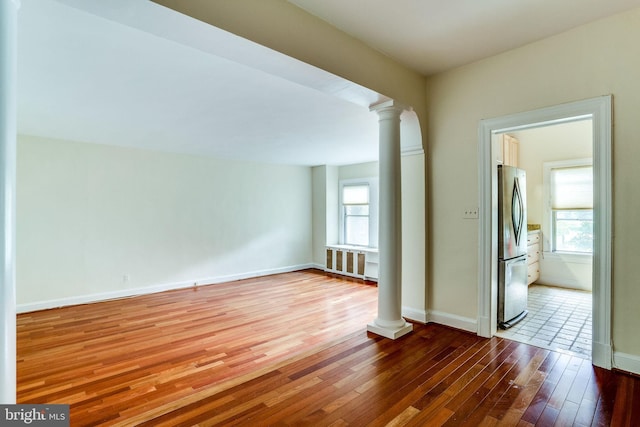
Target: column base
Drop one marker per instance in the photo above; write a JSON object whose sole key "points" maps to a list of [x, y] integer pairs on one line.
{"points": [[390, 332]]}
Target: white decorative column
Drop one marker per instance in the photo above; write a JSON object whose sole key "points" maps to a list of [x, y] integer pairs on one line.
{"points": [[8, 130], [389, 322]]}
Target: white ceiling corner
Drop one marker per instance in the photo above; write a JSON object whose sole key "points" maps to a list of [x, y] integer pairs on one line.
{"points": [[135, 74]]}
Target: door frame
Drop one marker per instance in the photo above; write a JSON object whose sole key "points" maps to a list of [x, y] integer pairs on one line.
{"points": [[599, 110]]}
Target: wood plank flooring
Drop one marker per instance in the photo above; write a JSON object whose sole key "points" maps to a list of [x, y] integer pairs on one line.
{"points": [[292, 349]]}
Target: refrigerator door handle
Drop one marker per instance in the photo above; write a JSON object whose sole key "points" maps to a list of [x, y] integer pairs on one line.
{"points": [[517, 211]]}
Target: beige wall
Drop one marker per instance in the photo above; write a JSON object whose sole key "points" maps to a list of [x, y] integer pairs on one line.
{"points": [[589, 61]]}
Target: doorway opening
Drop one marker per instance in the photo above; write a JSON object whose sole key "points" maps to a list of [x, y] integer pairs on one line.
{"points": [[598, 110], [557, 160]]}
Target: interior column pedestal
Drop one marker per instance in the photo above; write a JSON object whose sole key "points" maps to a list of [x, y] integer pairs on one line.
{"points": [[389, 322]]}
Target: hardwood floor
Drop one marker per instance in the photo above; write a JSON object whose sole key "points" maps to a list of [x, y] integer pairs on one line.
{"points": [[292, 349]]}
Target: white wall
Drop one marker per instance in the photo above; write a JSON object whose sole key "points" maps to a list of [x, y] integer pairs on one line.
{"points": [[325, 211], [319, 213], [566, 141], [588, 61], [361, 170], [99, 221]]}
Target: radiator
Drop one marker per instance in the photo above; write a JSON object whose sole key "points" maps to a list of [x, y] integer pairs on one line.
{"points": [[352, 262]]}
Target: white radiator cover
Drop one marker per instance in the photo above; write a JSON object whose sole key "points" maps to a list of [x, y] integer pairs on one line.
{"points": [[352, 261]]}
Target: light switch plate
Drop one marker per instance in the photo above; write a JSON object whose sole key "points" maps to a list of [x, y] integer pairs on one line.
{"points": [[470, 213]]}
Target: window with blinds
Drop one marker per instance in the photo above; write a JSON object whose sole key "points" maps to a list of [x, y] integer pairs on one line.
{"points": [[571, 208], [355, 206]]}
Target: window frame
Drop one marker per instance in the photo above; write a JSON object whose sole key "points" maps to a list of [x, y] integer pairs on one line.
{"points": [[548, 225], [372, 183]]}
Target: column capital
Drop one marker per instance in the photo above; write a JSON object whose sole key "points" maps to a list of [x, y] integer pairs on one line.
{"points": [[389, 105]]}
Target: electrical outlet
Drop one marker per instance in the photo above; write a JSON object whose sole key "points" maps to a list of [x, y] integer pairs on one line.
{"points": [[125, 278], [470, 213]]}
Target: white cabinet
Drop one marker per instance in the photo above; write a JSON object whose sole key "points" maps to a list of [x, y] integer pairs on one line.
{"points": [[352, 261], [533, 256], [509, 150]]}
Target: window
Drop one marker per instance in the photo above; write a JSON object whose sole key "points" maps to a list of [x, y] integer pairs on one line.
{"points": [[571, 205], [359, 213], [355, 203]]}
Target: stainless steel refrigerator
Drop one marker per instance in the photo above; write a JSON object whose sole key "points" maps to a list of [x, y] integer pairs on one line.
{"points": [[512, 246]]}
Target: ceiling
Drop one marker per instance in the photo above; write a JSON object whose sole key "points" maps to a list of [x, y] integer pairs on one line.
{"points": [[431, 36], [135, 74]]}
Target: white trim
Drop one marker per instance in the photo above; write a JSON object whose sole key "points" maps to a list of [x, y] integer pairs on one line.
{"points": [[484, 325], [626, 362], [411, 151], [392, 333], [8, 124], [453, 320], [599, 110], [560, 164], [569, 257], [389, 104], [561, 282], [367, 249], [601, 354], [317, 266], [415, 314], [347, 274], [125, 293]]}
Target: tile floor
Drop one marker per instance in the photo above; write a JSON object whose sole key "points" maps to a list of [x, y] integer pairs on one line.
{"points": [[558, 319]]}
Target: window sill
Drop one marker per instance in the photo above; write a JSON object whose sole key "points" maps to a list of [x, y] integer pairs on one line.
{"points": [[354, 248]]}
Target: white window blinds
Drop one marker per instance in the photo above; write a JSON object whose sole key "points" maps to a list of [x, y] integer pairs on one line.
{"points": [[355, 195], [572, 188]]}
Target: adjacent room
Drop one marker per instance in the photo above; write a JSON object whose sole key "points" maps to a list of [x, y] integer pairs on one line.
{"points": [[558, 162]]}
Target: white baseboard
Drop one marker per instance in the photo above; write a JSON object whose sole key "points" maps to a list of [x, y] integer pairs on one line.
{"points": [[601, 354], [454, 321], [626, 362], [251, 274], [103, 296], [484, 327], [415, 314], [125, 293], [563, 282]]}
